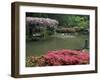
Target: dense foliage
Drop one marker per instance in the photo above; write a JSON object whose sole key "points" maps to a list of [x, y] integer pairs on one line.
{"points": [[65, 20]]}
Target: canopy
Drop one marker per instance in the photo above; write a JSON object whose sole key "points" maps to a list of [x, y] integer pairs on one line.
{"points": [[42, 21]]}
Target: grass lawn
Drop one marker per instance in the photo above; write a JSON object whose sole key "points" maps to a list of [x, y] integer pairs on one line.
{"points": [[38, 48]]}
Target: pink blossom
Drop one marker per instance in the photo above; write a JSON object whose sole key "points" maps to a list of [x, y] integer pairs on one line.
{"points": [[42, 21], [67, 57], [60, 57]]}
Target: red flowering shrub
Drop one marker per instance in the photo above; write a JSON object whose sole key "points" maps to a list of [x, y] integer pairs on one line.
{"points": [[61, 57], [66, 57]]}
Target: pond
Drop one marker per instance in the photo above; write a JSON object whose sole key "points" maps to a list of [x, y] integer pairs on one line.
{"points": [[40, 47]]}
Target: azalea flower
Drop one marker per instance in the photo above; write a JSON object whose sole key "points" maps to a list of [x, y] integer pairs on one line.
{"points": [[60, 57]]}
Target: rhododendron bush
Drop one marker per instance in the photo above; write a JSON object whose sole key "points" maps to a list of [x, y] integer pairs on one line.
{"points": [[59, 57]]}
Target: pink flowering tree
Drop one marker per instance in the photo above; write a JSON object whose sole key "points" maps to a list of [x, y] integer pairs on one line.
{"points": [[42, 23]]}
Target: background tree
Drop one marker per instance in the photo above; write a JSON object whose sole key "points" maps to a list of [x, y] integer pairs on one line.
{"points": [[65, 20]]}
